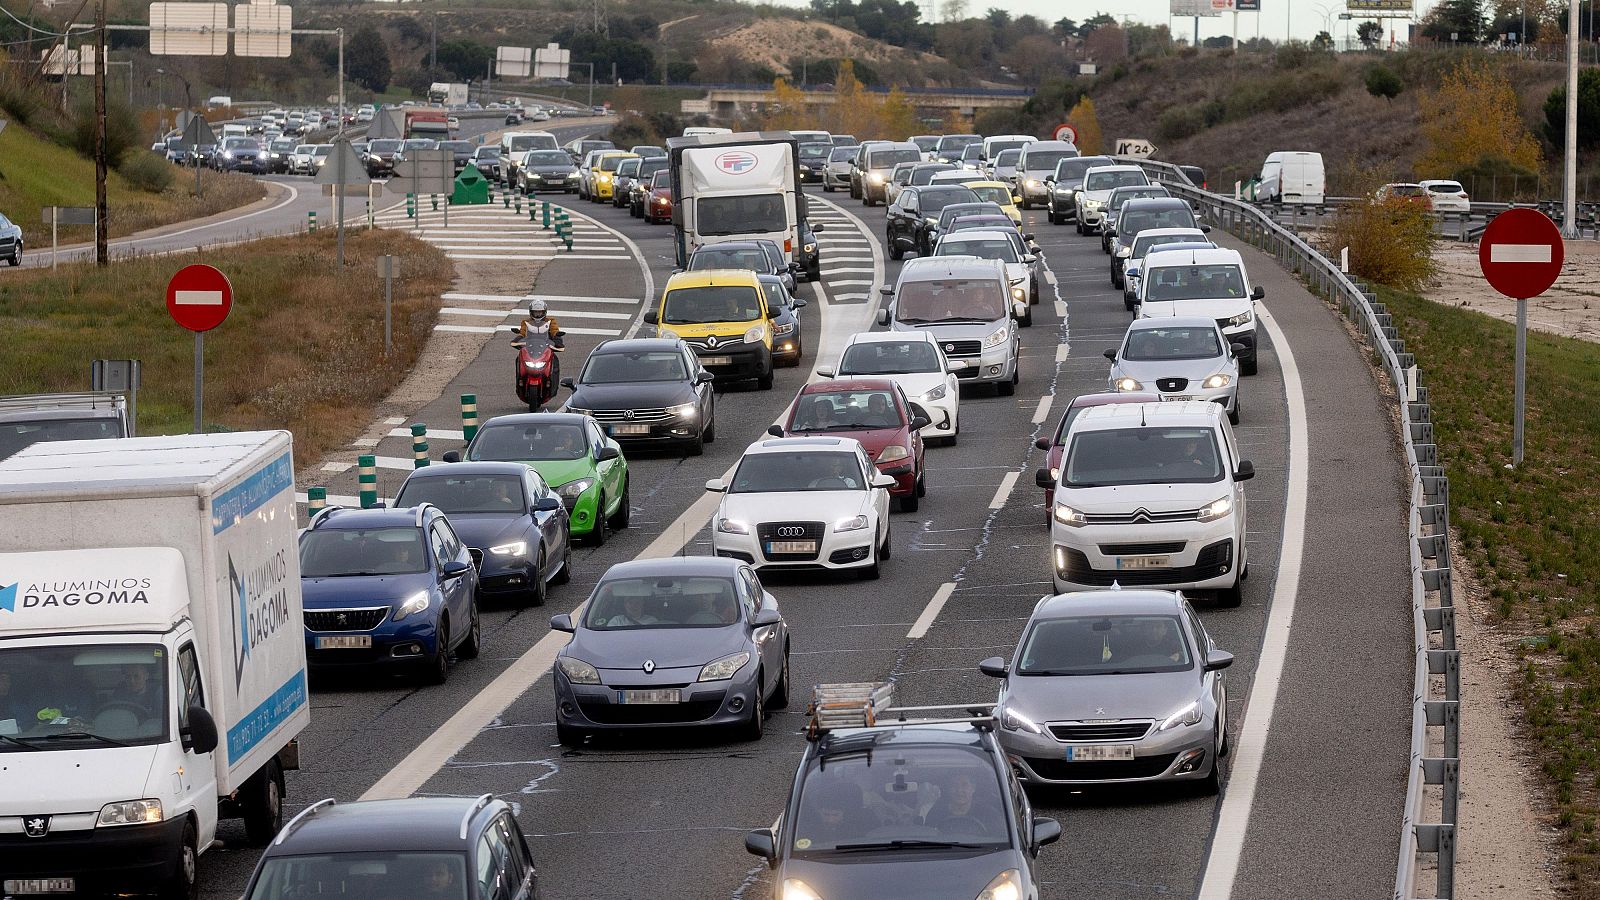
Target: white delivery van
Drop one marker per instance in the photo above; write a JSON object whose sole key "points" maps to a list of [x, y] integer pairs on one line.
{"points": [[733, 187], [1211, 283], [152, 656], [703, 130], [515, 146], [31, 418], [1292, 176]]}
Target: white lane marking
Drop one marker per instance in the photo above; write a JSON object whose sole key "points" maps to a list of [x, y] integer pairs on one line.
{"points": [[483, 329], [1249, 750], [547, 256], [197, 298], [1043, 412], [1061, 309], [444, 433], [919, 629], [1061, 352], [1004, 491], [337, 499], [844, 271], [519, 298], [1519, 253], [1050, 277], [852, 282]]}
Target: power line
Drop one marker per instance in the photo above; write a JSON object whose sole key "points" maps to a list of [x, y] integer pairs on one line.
{"points": [[12, 16]]}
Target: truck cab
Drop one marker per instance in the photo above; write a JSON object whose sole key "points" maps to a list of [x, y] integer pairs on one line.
{"points": [[724, 316], [35, 418], [743, 186]]}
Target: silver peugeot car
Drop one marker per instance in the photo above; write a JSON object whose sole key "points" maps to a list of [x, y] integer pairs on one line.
{"points": [[1114, 686], [1178, 358]]}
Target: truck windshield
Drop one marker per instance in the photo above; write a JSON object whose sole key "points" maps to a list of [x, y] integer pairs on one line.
{"points": [[379, 874], [693, 305], [14, 436], [336, 552], [1218, 282], [748, 214], [521, 142], [81, 696], [950, 299], [1146, 455]]}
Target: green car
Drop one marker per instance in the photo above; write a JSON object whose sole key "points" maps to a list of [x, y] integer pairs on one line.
{"points": [[572, 453]]}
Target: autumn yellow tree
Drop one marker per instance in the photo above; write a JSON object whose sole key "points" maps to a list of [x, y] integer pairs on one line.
{"points": [[1473, 117], [1083, 118], [787, 111], [856, 110], [899, 115], [955, 122]]}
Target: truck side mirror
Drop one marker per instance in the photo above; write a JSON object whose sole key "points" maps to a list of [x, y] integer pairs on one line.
{"points": [[201, 735], [451, 456], [652, 317]]}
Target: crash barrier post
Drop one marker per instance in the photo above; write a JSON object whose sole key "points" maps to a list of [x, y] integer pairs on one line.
{"points": [[316, 500], [419, 445], [311, 220], [367, 476], [469, 416], [546, 205], [411, 206]]}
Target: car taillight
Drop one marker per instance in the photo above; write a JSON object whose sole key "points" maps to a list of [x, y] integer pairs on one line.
{"points": [[788, 245], [1462, 195]]}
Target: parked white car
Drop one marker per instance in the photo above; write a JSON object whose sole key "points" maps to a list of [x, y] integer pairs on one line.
{"points": [[916, 362]]}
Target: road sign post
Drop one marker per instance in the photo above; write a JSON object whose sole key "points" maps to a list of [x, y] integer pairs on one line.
{"points": [[196, 134], [386, 271], [1521, 254], [56, 216], [344, 170], [199, 298]]}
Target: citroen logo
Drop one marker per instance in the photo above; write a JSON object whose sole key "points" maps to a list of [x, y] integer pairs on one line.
{"points": [[791, 531], [649, 666], [713, 342], [36, 826], [627, 414], [1142, 515]]}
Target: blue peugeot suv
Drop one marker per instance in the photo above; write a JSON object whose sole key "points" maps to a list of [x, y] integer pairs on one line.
{"points": [[391, 588]]}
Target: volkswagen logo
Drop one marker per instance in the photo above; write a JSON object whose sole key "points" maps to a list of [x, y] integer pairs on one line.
{"points": [[713, 342], [791, 531], [627, 414], [36, 826], [649, 666]]}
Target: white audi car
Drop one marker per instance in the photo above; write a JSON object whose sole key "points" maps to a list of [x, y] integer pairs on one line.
{"points": [[914, 361], [804, 503]]}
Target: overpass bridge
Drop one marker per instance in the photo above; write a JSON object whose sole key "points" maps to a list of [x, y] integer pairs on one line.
{"points": [[725, 101]]}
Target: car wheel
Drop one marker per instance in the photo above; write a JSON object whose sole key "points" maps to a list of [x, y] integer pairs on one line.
{"points": [[814, 273], [598, 533], [697, 446], [764, 382], [1231, 597], [756, 725], [262, 799], [16, 257], [894, 252], [1027, 319], [873, 571], [184, 883], [1226, 746], [780, 693], [619, 519], [1079, 225], [1233, 414], [1211, 785], [1129, 304], [922, 484], [439, 664], [1033, 292], [565, 575], [1055, 219], [911, 501], [1247, 364], [827, 187], [474, 640], [536, 592], [570, 735], [710, 434]]}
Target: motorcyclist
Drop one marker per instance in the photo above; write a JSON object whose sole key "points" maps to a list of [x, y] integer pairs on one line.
{"points": [[539, 320]]}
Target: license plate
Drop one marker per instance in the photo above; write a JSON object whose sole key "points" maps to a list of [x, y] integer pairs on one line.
{"points": [[628, 429], [1142, 562], [40, 886], [716, 360], [658, 696], [1099, 752], [1177, 397], [344, 642], [791, 546]]}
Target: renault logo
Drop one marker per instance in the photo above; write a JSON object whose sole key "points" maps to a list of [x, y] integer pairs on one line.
{"points": [[791, 531], [36, 826], [713, 342], [649, 666]]}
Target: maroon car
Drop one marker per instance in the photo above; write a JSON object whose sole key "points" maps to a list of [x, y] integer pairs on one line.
{"points": [[1047, 476], [658, 203], [875, 412]]}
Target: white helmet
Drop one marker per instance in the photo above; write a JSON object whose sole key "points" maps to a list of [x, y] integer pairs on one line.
{"points": [[536, 310]]}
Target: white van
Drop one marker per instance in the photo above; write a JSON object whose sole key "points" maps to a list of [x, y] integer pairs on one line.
{"points": [[1292, 176], [702, 130], [514, 145], [994, 144], [1211, 283]]}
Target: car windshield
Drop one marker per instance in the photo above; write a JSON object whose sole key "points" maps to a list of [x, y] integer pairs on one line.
{"points": [[548, 158], [1104, 645], [1211, 282], [754, 259], [1144, 455], [14, 436], [1008, 157], [993, 193], [379, 146], [1123, 195], [926, 142], [750, 214], [350, 874], [1044, 161], [996, 248], [889, 358], [913, 798], [610, 163], [1105, 181], [333, 552], [521, 142], [240, 143], [634, 366], [815, 151], [1143, 244], [846, 411], [888, 159], [799, 470], [1071, 170], [725, 303], [322, 150], [955, 143], [530, 442], [82, 695], [483, 152], [651, 165], [668, 601], [281, 146], [1445, 187], [946, 299], [662, 179], [420, 144], [922, 175], [1000, 148], [1134, 221], [1405, 190], [932, 200], [628, 167], [456, 146], [466, 494], [1153, 344], [841, 154], [984, 223]]}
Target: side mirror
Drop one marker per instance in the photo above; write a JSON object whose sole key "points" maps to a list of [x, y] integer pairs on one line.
{"points": [[1019, 309], [704, 377], [201, 735], [883, 317], [1015, 200], [1042, 443], [920, 422], [1045, 831], [1029, 259], [569, 384], [1042, 477], [455, 568], [1260, 293], [775, 430], [1237, 348], [774, 311], [994, 667], [1028, 237], [546, 504], [825, 373], [1246, 471], [887, 291], [882, 481], [1218, 659], [799, 303], [1111, 355], [678, 271], [770, 616], [452, 456], [607, 453], [562, 622], [795, 268], [1205, 229], [1130, 272], [760, 843], [819, 226], [652, 317], [716, 486]]}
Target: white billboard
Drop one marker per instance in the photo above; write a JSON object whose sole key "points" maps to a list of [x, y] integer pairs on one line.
{"points": [[1190, 8], [552, 61], [262, 30], [189, 29], [513, 62]]}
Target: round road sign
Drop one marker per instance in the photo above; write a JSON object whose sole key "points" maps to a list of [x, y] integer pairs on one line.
{"points": [[1065, 132], [1521, 253], [199, 297]]}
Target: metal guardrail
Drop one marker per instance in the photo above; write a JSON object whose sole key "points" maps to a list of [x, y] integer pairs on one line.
{"points": [[1429, 824]]}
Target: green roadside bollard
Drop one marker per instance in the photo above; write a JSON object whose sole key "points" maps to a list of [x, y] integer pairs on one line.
{"points": [[546, 205], [367, 475], [435, 199], [419, 445], [506, 199], [411, 206], [316, 500], [311, 221], [533, 213], [469, 416], [518, 203]]}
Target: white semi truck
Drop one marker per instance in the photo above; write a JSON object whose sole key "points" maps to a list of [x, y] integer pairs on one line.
{"points": [[736, 187], [152, 656]]}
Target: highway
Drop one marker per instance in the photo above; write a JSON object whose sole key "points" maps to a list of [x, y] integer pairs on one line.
{"points": [[1320, 694]]}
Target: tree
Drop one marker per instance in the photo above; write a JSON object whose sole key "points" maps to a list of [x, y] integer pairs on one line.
{"points": [[1555, 111], [465, 59], [899, 116], [1098, 20], [366, 59], [997, 17], [1383, 82], [1217, 42], [1462, 18], [1084, 119], [952, 10], [787, 111], [1474, 116], [1065, 28], [1107, 45], [1323, 42], [1370, 34]]}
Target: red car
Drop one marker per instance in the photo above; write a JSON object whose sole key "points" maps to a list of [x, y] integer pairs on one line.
{"points": [[1047, 476], [875, 412], [658, 205]]}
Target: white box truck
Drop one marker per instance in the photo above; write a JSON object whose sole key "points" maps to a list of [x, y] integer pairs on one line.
{"points": [[736, 187], [152, 656]]}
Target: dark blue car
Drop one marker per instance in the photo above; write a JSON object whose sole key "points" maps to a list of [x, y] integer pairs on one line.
{"points": [[388, 588], [513, 524]]}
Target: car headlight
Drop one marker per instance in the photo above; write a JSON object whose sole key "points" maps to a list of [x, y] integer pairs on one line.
{"points": [[1005, 886], [1033, 183], [129, 812], [893, 452], [875, 178], [853, 524], [1093, 204], [1189, 715], [938, 393], [755, 334], [997, 338], [1016, 721], [515, 548], [227, 154], [1243, 318], [795, 889], [685, 410], [1063, 192], [1018, 294], [573, 489], [1216, 381], [782, 328], [572, 176], [732, 526], [1216, 509], [534, 364], [1068, 516], [809, 248], [579, 411], [413, 604], [933, 221], [724, 668], [1124, 252], [1126, 384], [578, 671]]}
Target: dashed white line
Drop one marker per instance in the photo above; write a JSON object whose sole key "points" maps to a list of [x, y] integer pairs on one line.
{"points": [[919, 629], [1004, 491], [1040, 414]]}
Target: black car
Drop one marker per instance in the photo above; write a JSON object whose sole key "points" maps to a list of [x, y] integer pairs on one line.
{"points": [[787, 346], [953, 211], [547, 170], [814, 161], [1116, 200], [486, 159], [10, 242], [420, 846], [760, 257], [1065, 183], [633, 180], [513, 524], [647, 391], [380, 155], [239, 154], [278, 153], [460, 152], [930, 807], [916, 211]]}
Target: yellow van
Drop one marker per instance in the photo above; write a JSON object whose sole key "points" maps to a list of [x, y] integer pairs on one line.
{"points": [[602, 174], [723, 314]]}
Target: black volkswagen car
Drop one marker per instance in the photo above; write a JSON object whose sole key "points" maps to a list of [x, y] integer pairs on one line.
{"points": [[647, 391], [916, 212]]}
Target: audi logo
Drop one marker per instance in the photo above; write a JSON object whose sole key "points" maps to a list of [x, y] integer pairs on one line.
{"points": [[791, 531]]}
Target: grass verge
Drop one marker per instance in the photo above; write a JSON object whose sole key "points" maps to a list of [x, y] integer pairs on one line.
{"points": [[302, 348], [35, 173], [1531, 534]]}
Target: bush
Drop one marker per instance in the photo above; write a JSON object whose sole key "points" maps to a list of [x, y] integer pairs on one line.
{"points": [[1495, 179], [1391, 242], [1383, 82], [1555, 111], [24, 98], [122, 131], [1180, 122], [1294, 55], [147, 171]]}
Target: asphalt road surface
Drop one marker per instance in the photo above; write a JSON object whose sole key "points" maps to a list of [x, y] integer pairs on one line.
{"points": [[1320, 692]]}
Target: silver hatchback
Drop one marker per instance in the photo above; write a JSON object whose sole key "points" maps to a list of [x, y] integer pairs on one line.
{"points": [[1178, 358]]}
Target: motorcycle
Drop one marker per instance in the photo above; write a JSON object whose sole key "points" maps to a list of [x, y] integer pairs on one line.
{"points": [[538, 368]]}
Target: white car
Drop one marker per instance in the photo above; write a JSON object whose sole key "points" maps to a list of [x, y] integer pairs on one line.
{"points": [[1151, 495], [1211, 283], [804, 503], [1022, 265], [301, 161], [1179, 358], [1098, 183], [914, 361], [1447, 196]]}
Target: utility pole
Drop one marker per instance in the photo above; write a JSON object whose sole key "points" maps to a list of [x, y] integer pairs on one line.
{"points": [[101, 255], [1569, 191], [433, 46]]}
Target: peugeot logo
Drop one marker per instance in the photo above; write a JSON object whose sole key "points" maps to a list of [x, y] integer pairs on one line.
{"points": [[791, 531], [36, 826], [713, 342], [1100, 710], [649, 666], [341, 618], [627, 414]]}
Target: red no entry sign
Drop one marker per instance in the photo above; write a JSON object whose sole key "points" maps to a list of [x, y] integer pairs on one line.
{"points": [[1521, 253], [1065, 132], [199, 297]]}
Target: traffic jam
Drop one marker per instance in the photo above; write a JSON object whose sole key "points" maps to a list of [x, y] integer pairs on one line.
{"points": [[749, 673]]}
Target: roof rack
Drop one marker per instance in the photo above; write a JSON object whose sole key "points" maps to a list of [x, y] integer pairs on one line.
{"points": [[304, 813], [869, 705], [466, 820]]}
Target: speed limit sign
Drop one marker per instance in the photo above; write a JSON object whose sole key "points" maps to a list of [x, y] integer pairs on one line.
{"points": [[1065, 132]]}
